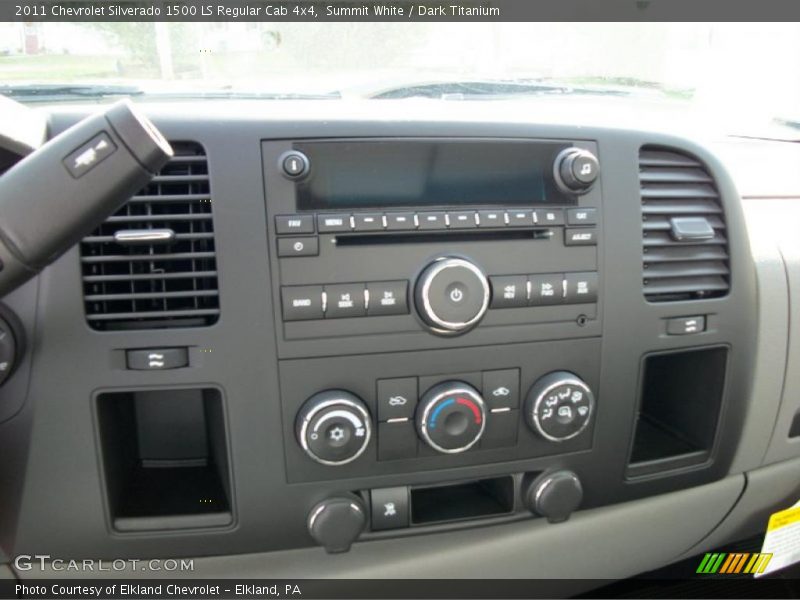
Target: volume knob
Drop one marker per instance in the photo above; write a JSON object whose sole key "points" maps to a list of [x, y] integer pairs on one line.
{"points": [[452, 295]]}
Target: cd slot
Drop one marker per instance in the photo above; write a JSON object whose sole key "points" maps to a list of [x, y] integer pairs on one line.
{"points": [[417, 237]]}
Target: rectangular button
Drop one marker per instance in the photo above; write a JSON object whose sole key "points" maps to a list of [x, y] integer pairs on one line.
{"points": [[302, 302], [368, 222], [345, 300], [548, 216], [546, 289], [397, 398], [501, 388], [580, 288], [580, 237], [387, 298], [333, 223], [294, 224], [582, 216], [509, 291], [520, 218], [400, 221], [462, 219], [89, 155], [501, 429], [397, 440], [432, 220], [298, 246], [686, 325], [491, 218], [157, 359], [389, 508]]}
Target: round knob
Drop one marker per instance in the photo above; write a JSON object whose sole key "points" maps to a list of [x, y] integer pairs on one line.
{"points": [[451, 417], [336, 523], [559, 406], [576, 170], [294, 164], [452, 295], [554, 496], [333, 427]]}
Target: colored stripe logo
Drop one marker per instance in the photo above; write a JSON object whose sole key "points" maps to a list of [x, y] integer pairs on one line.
{"points": [[731, 563]]}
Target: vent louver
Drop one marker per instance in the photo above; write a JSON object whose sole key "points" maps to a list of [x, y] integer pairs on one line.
{"points": [[153, 263], [683, 228]]}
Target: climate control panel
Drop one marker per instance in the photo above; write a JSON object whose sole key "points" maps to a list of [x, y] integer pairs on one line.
{"points": [[334, 427]]}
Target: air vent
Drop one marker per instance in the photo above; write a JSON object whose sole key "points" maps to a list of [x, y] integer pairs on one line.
{"points": [[683, 228], [153, 263]]}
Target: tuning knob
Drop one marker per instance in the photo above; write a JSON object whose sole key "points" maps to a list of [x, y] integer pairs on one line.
{"points": [[554, 496], [451, 295], [576, 170], [451, 417], [559, 406], [333, 427], [336, 523]]}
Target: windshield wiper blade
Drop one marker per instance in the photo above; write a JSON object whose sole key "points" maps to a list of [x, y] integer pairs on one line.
{"points": [[48, 92], [63, 92], [241, 95], [488, 89]]}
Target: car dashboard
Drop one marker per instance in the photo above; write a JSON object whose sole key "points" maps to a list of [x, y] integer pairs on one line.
{"points": [[400, 341]]}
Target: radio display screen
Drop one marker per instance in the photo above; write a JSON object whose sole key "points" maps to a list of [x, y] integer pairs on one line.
{"points": [[423, 172]]}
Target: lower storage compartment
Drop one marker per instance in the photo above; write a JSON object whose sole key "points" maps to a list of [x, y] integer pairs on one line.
{"points": [[467, 500], [681, 401], [165, 459]]}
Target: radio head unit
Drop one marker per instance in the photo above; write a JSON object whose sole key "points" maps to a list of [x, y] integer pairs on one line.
{"points": [[446, 236]]}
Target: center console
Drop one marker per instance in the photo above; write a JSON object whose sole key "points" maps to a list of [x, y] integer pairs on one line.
{"points": [[439, 305]]}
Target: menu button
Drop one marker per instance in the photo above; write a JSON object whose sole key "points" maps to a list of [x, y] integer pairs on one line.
{"points": [[332, 223]]}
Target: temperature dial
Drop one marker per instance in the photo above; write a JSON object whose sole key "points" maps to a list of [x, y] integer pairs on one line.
{"points": [[559, 406], [333, 427], [451, 417]]}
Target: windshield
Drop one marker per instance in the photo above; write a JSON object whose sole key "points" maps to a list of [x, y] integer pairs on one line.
{"points": [[739, 73]]}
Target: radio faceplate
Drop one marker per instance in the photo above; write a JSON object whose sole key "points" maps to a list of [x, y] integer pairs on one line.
{"points": [[338, 257]]}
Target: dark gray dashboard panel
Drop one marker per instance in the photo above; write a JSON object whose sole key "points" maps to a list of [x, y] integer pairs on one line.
{"points": [[62, 507]]}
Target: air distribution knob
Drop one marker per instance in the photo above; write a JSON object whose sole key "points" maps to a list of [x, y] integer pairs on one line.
{"points": [[576, 170], [451, 295], [559, 406], [333, 427], [451, 417], [335, 523]]}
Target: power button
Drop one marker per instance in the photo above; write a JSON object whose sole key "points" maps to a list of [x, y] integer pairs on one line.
{"points": [[452, 295]]}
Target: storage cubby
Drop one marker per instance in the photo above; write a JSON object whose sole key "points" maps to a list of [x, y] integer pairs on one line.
{"points": [[467, 500], [165, 458], [681, 398]]}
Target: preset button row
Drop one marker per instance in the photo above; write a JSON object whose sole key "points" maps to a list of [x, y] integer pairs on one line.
{"points": [[307, 302], [514, 291], [457, 219]]}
